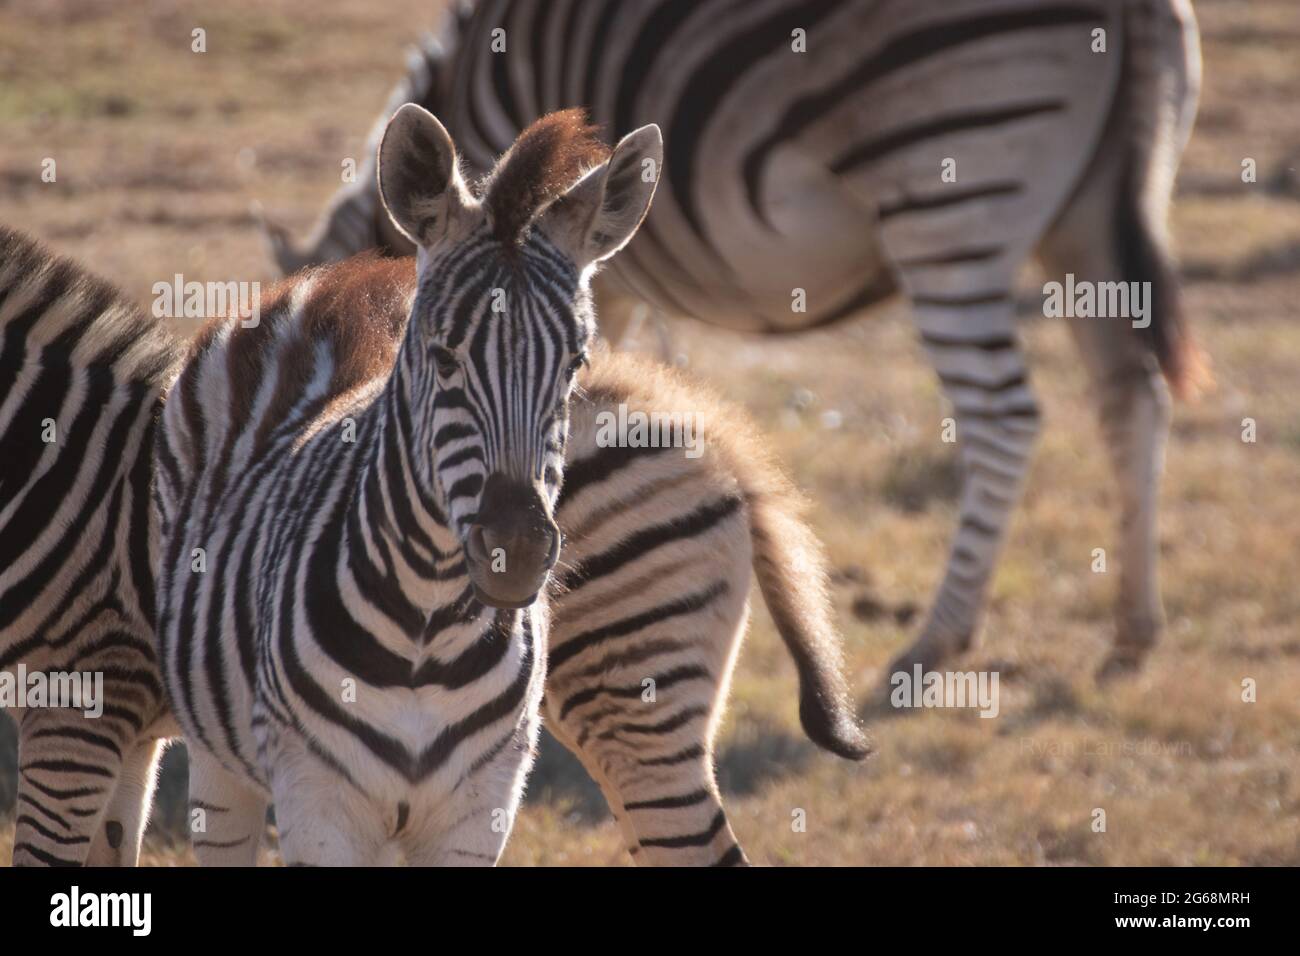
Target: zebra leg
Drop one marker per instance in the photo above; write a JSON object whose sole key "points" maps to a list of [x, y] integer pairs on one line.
{"points": [[621, 318], [227, 816], [1132, 398], [1134, 408], [473, 820], [668, 807], [607, 789], [664, 335], [117, 841], [641, 717], [971, 342], [67, 769], [476, 837], [624, 323], [646, 625], [322, 820]]}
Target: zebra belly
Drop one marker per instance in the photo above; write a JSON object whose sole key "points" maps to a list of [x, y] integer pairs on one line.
{"points": [[967, 130], [776, 283], [75, 594]]}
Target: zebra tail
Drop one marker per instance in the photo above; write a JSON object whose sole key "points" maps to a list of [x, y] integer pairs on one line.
{"points": [[1156, 136], [791, 571]]}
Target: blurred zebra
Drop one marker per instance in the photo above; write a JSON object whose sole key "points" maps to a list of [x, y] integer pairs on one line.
{"points": [[825, 154], [82, 372], [359, 513]]}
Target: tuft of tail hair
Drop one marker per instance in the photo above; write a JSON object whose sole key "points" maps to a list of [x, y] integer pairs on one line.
{"points": [[791, 571], [1156, 140], [1145, 259]]}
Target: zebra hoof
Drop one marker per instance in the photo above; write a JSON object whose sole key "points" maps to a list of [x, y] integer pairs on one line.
{"points": [[927, 653], [1123, 661], [1137, 634]]}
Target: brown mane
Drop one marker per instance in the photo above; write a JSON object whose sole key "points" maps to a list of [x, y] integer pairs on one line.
{"points": [[547, 158], [358, 307]]}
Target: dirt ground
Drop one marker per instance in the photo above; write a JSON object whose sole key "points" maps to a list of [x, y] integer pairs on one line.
{"points": [[160, 152]]}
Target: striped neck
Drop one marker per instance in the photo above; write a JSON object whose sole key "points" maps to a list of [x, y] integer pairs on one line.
{"points": [[404, 556]]}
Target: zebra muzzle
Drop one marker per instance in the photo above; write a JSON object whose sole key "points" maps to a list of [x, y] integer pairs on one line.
{"points": [[513, 545]]}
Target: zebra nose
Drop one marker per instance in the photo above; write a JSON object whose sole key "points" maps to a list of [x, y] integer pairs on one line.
{"points": [[513, 546], [506, 547]]}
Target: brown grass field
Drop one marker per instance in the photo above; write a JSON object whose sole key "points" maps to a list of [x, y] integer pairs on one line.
{"points": [[160, 152]]}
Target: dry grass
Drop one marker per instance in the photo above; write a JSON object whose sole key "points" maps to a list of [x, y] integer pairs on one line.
{"points": [[160, 152]]}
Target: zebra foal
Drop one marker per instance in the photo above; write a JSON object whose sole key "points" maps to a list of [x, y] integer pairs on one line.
{"points": [[854, 149], [360, 514]]}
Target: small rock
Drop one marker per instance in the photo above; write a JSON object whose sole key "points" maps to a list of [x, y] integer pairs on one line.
{"points": [[115, 104]]}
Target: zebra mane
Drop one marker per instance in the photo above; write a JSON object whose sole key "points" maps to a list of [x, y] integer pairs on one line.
{"points": [[547, 158], [357, 307]]}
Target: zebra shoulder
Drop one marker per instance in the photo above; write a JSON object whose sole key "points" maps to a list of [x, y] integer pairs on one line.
{"points": [[315, 336]]}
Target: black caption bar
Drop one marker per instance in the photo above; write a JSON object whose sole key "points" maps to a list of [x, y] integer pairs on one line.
{"points": [[134, 907]]}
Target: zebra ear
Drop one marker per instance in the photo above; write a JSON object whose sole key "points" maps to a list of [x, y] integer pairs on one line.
{"points": [[418, 179], [602, 211]]}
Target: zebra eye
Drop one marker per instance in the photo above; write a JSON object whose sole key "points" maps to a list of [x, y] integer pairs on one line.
{"points": [[575, 365], [446, 361]]}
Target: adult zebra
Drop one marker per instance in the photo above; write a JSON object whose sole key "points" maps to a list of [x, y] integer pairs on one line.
{"points": [[359, 512], [807, 145], [82, 372]]}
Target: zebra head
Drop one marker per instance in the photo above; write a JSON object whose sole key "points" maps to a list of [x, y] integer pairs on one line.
{"points": [[502, 320]]}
